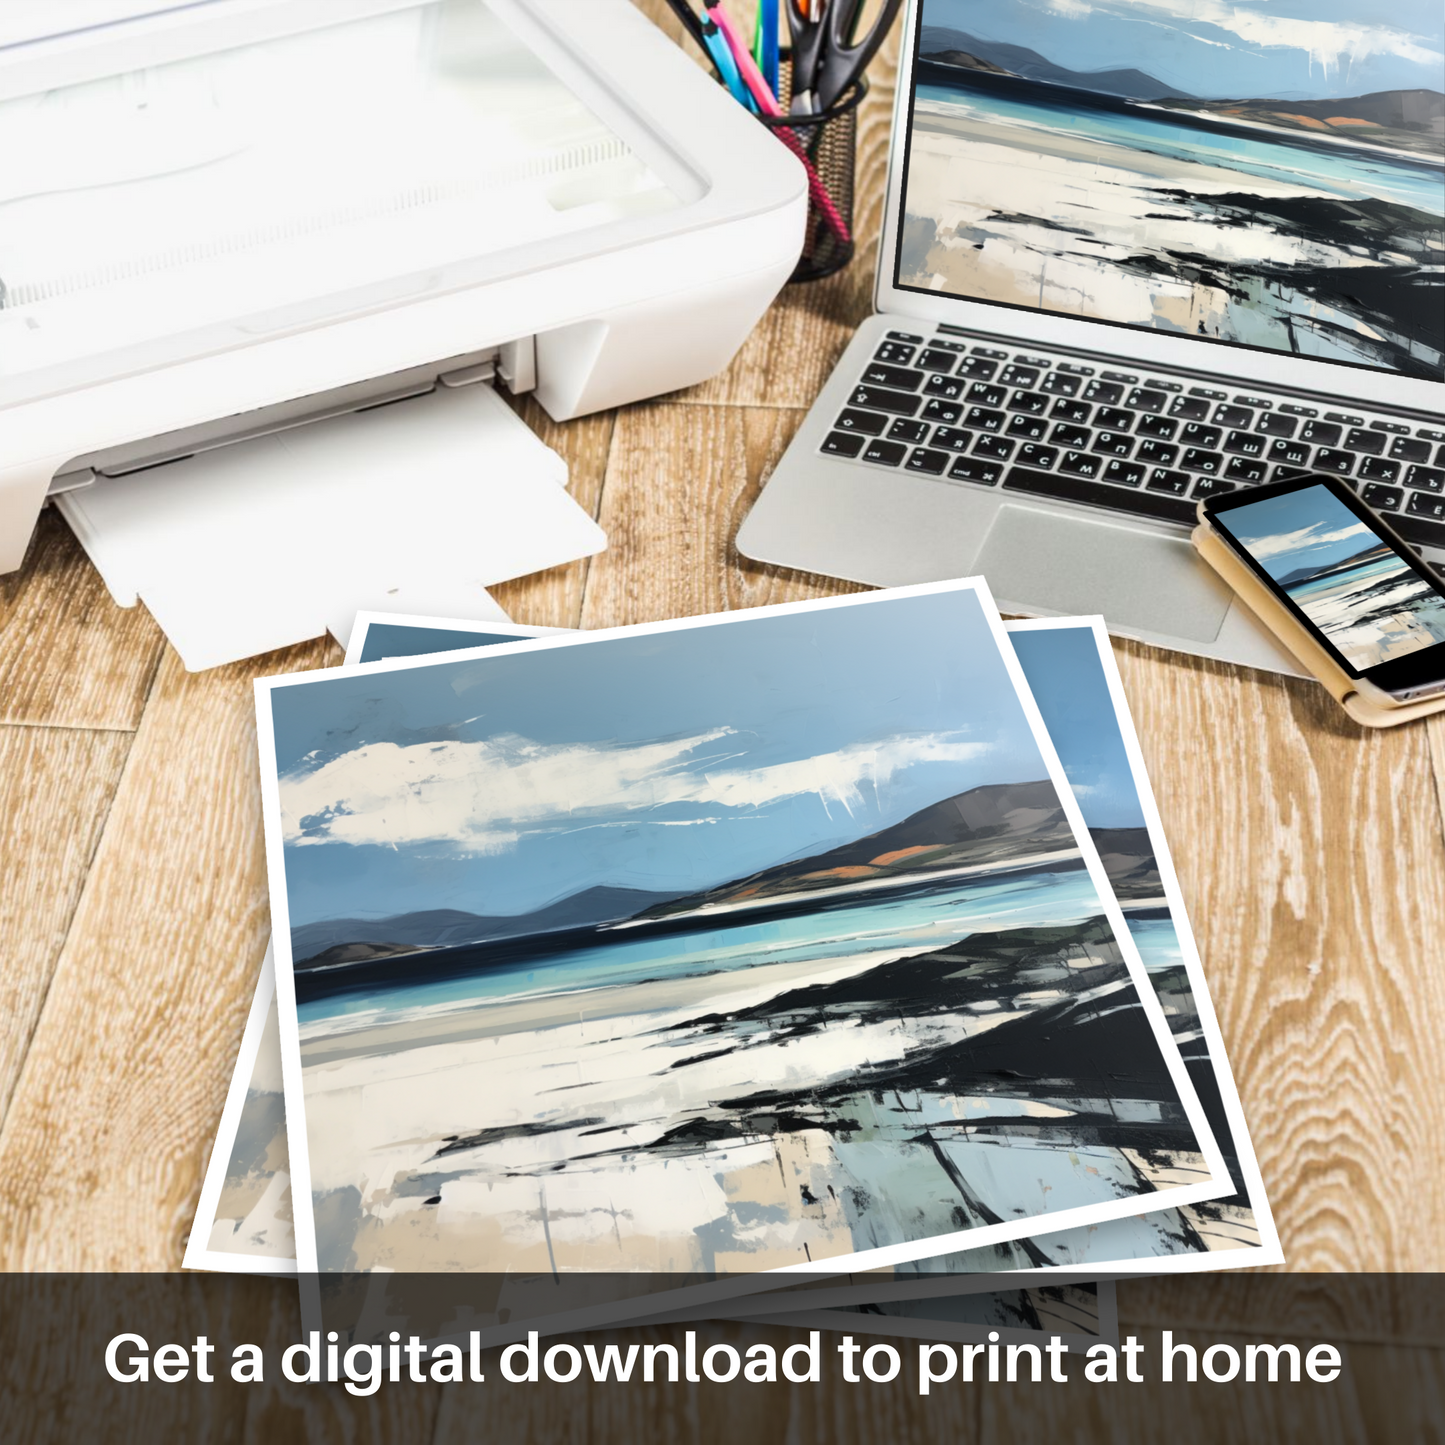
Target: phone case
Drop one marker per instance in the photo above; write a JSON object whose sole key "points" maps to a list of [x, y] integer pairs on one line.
{"points": [[1297, 638]]}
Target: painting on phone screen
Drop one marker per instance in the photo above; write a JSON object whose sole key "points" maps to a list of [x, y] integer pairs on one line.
{"points": [[1338, 572]]}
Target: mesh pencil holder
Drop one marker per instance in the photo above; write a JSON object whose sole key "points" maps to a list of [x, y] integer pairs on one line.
{"points": [[827, 144]]}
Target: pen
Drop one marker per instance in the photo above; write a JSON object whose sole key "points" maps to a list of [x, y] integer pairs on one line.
{"points": [[765, 42]]}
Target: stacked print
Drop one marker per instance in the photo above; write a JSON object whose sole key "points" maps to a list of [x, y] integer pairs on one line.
{"points": [[735, 949]]}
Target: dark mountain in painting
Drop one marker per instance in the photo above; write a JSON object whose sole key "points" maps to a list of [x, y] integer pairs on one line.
{"points": [[353, 940], [944, 46], [1303, 574], [985, 826], [1129, 861], [1412, 120]]}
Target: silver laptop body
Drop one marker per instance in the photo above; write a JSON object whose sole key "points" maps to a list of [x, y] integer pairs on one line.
{"points": [[1063, 457]]}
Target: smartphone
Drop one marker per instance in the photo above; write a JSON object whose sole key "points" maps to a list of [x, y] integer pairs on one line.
{"points": [[1368, 600]]}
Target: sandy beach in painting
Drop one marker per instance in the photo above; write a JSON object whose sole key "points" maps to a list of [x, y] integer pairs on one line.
{"points": [[793, 1110]]}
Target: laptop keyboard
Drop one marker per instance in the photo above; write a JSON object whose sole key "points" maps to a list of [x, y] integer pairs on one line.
{"points": [[1140, 444]]}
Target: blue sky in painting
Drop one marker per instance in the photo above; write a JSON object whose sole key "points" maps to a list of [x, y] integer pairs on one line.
{"points": [[1224, 49], [674, 761], [1068, 683], [1308, 528]]}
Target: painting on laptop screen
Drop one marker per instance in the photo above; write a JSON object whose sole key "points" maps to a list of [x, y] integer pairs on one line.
{"points": [[1269, 173]]}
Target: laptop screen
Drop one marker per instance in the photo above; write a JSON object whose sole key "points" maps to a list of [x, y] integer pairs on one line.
{"points": [[1261, 173]]}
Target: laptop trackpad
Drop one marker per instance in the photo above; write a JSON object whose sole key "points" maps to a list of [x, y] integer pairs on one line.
{"points": [[1070, 564]]}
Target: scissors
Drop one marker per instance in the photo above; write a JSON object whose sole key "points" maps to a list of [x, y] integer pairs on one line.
{"points": [[827, 54]]}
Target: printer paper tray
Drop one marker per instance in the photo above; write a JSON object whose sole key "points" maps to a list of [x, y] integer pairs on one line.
{"points": [[417, 506]]}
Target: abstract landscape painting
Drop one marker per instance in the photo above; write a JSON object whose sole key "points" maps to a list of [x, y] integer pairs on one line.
{"points": [[725, 946], [1334, 568], [1265, 173]]}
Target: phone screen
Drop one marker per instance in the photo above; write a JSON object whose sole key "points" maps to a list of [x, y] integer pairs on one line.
{"points": [[1369, 602]]}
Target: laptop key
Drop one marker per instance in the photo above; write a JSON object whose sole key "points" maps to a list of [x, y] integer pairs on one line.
{"points": [[1015, 375], [1074, 411], [886, 454], [1440, 457], [1241, 469], [895, 353], [1422, 504], [878, 398], [955, 439], [984, 395], [1195, 435], [1161, 479], [1161, 427], [1331, 459], [1321, 433], [1144, 398], [923, 459], [1113, 418], [843, 444], [1291, 454], [1372, 443], [1271, 424], [1060, 383], [905, 429], [877, 374], [1035, 403], [932, 359], [1235, 416], [905, 336], [983, 419], [1107, 392], [1112, 444], [948, 387], [1419, 531], [1406, 449], [1189, 408], [977, 368], [1212, 486], [1041, 457], [945, 411], [867, 422], [1199, 460], [1425, 479], [972, 469], [1381, 498], [1377, 469], [1073, 488], [1030, 427], [996, 447], [1124, 474], [1245, 443], [1070, 436], [1156, 454], [1081, 464]]}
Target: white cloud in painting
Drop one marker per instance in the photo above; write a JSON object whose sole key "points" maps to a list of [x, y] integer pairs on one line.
{"points": [[481, 796], [1280, 543], [1330, 44]]}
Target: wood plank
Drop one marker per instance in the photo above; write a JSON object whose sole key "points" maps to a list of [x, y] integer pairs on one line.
{"points": [[554, 598], [56, 786], [69, 657], [679, 482], [116, 1106], [1311, 857]]}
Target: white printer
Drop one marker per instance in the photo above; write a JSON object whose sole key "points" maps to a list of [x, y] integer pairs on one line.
{"points": [[226, 219]]}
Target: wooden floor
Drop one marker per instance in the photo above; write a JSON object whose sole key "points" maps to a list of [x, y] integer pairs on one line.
{"points": [[133, 892]]}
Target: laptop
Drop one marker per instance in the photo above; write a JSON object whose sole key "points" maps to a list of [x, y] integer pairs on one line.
{"points": [[1134, 253]]}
